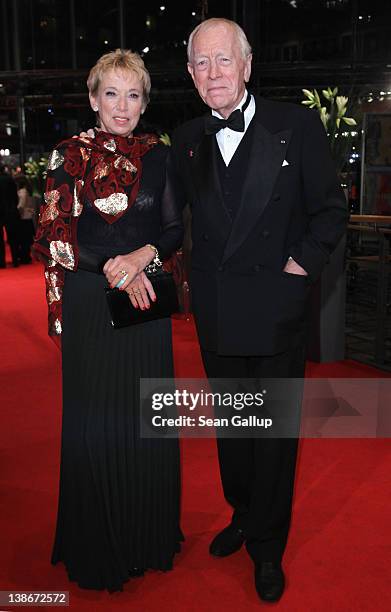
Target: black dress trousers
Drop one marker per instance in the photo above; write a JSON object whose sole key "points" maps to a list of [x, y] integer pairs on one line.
{"points": [[258, 473]]}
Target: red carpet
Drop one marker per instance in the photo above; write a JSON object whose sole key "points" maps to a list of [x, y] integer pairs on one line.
{"points": [[339, 552]]}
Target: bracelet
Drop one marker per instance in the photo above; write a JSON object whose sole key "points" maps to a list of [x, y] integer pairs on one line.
{"points": [[155, 263]]}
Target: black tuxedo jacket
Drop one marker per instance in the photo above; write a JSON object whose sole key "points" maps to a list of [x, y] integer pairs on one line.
{"points": [[291, 205]]}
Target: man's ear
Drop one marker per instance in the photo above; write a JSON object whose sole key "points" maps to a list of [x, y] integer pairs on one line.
{"points": [[247, 69]]}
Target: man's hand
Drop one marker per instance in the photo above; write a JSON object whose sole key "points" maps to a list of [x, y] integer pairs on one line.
{"points": [[291, 267]]}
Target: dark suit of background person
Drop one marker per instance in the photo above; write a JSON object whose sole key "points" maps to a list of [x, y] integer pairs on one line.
{"points": [[279, 197], [9, 216]]}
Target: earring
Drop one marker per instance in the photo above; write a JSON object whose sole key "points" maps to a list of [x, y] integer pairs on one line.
{"points": [[95, 108]]}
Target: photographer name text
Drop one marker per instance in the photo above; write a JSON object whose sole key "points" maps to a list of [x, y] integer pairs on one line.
{"points": [[203, 421]]}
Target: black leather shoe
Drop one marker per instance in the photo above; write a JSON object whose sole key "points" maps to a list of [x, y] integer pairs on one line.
{"points": [[269, 581], [136, 572], [227, 542]]}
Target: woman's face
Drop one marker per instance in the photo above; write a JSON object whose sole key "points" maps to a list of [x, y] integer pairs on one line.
{"points": [[119, 102]]}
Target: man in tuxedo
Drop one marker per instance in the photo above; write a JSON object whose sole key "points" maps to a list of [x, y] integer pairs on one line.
{"points": [[267, 211]]}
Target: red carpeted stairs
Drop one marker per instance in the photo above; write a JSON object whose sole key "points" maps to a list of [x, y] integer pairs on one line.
{"points": [[339, 552]]}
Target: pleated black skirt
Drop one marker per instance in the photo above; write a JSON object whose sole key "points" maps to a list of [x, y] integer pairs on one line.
{"points": [[119, 493]]}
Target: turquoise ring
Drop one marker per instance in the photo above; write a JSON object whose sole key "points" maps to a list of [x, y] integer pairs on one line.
{"points": [[121, 282]]}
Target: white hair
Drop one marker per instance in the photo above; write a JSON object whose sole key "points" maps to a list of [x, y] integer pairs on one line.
{"points": [[215, 21]]}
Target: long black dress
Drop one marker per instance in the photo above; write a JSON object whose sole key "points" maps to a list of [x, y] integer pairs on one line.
{"points": [[119, 493]]}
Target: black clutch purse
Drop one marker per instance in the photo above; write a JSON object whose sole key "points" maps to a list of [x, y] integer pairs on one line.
{"points": [[123, 313]]}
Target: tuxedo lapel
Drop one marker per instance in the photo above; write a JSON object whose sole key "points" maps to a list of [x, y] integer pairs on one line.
{"points": [[266, 158]]}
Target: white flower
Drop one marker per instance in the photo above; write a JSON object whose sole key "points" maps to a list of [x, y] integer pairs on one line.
{"points": [[341, 102], [324, 115], [349, 120]]}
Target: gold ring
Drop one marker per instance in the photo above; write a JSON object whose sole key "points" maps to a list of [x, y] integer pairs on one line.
{"points": [[123, 272]]}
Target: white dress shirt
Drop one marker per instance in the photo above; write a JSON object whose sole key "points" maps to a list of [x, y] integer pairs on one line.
{"points": [[229, 140]]}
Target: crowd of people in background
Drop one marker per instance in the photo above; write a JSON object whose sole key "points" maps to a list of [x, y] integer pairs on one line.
{"points": [[18, 212]]}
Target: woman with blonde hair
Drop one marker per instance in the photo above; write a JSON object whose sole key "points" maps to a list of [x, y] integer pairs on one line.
{"points": [[110, 210]]}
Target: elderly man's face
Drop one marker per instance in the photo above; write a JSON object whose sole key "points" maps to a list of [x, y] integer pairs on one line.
{"points": [[218, 68]]}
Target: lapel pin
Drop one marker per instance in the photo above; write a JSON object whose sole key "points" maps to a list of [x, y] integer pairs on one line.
{"points": [[283, 142], [191, 153]]}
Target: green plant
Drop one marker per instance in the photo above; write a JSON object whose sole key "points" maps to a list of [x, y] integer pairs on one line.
{"points": [[337, 125], [36, 172]]}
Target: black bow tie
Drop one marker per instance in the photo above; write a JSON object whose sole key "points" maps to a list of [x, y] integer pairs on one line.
{"points": [[235, 121]]}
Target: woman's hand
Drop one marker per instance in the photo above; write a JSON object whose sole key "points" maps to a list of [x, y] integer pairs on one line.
{"points": [[88, 134], [140, 291], [126, 267]]}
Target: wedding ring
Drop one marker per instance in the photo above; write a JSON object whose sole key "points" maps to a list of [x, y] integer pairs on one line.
{"points": [[123, 272]]}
